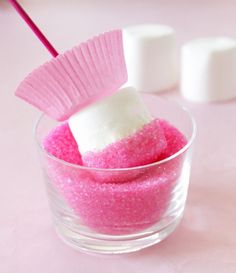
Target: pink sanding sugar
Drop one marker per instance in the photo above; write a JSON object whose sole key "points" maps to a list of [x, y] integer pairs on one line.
{"points": [[61, 144], [113, 207]]}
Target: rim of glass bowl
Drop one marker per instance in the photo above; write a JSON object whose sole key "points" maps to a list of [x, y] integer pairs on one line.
{"points": [[185, 148]]}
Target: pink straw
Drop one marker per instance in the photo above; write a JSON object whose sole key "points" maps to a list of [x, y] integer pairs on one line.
{"points": [[35, 29]]}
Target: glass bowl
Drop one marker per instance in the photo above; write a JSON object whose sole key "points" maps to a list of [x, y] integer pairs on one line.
{"points": [[116, 211]]}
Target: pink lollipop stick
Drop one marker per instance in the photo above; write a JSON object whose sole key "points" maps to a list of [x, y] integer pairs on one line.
{"points": [[35, 29]]}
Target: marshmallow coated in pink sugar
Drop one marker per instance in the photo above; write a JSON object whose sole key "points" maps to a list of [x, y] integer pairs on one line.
{"points": [[121, 207], [116, 132], [77, 78]]}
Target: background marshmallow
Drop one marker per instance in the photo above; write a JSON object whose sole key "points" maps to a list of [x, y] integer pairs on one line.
{"points": [[151, 59], [208, 69], [109, 120]]}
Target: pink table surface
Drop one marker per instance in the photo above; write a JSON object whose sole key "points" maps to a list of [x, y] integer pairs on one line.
{"points": [[205, 241]]}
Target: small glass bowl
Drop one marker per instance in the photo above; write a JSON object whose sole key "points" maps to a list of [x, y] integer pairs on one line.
{"points": [[116, 211]]}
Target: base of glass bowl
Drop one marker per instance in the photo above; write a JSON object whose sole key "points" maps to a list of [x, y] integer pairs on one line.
{"points": [[109, 244]]}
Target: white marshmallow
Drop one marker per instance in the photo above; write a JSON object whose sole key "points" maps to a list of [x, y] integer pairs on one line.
{"points": [[151, 57], [208, 69], [109, 120]]}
